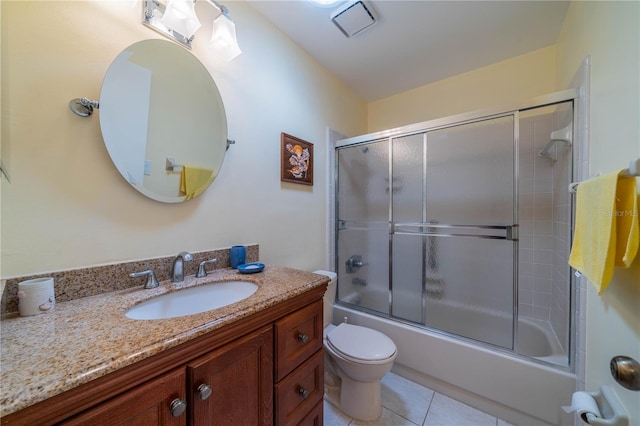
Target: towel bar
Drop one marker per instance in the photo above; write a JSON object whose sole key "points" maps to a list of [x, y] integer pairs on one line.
{"points": [[632, 171], [172, 166]]}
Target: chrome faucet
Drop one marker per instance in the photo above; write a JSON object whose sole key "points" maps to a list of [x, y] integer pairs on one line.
{"points": [[177, 271]]}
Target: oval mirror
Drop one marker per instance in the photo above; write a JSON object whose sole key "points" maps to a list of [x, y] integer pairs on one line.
{"points": [[163, 121]]}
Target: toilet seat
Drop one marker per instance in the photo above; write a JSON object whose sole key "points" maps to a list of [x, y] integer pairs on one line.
{"points": [[361, 344]]}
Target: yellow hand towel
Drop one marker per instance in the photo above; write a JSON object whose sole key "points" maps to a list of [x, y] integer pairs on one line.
{"points": [[606, 228], [194, 180]]}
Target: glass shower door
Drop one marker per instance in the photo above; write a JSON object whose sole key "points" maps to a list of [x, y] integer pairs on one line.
{"points": [[362, 225], [456, 247]]}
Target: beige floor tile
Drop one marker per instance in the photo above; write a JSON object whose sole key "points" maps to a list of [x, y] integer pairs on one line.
{"points": [[445, 411]]}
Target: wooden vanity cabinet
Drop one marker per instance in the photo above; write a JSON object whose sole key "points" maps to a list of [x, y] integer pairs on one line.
{"points": [[264, 369]]}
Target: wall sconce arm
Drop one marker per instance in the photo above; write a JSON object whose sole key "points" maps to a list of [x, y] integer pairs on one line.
{"points": [[83, 106]]}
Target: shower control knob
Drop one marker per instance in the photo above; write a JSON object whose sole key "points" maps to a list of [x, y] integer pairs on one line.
{"points": [[626, 371], [354, 263], [303, 338]]}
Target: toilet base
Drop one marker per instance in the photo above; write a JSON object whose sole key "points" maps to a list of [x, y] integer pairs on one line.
{"points": [[360, 400]]}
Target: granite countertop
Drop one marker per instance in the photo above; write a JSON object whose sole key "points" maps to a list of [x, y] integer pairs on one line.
{"points": [[83, 339]]}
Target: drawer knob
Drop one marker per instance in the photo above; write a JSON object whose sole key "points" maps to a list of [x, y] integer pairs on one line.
{"points": [[204, 391], [303, 392], [177, 407], [303, 338]]}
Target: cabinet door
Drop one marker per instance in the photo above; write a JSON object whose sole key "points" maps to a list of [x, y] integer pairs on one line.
{"points": [[233, 385], [144, 405]]}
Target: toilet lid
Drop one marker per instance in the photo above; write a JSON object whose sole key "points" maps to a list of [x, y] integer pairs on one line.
{"points": [[361, 342]]}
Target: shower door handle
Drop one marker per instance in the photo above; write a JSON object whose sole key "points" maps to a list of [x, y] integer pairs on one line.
{"points": [[469, 231]]}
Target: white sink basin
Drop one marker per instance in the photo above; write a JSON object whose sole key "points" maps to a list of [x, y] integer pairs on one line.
{"points": [[192, 300]]}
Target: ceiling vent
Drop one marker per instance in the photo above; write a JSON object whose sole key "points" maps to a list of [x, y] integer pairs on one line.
{"points": [[354, 17]]}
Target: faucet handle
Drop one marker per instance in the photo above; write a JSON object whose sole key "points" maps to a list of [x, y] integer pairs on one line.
{"points": [[152, 281], [202, 270]]}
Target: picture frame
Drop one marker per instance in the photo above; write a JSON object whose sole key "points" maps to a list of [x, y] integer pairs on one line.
{"points": [[296, 160]]}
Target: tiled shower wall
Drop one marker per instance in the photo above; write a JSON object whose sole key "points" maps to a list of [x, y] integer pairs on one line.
{"points": [[536, 220], [545, 213], [560, 282]]}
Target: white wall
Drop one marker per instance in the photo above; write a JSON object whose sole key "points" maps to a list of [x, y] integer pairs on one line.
{"points": [[67, 206], [610, 34]]}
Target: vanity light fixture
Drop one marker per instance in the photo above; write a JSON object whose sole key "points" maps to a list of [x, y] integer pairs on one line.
{"points": [[223, 35], [180, 16], [177, 20], [326, 3]]}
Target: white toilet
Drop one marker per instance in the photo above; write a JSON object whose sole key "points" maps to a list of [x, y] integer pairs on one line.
{"points": [[360, 356]]}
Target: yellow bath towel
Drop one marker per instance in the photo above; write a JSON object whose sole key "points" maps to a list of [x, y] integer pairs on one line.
{"points": [[606, 228], [194, 180]]}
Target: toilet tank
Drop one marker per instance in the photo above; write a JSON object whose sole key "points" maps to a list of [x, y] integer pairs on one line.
{"points": [[329, 295]]}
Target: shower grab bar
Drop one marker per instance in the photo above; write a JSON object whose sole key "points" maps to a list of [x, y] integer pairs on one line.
{"points": [[632, 171], [511, 231]]}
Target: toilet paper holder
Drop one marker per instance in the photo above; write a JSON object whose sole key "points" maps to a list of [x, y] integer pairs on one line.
{"points": [[612, 410]]}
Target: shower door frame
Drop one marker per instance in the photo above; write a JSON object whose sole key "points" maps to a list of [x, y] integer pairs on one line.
{"points": [[570, 95]]}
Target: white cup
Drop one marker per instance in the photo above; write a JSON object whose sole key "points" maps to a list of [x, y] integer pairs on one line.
{"points": [[36, 296]]}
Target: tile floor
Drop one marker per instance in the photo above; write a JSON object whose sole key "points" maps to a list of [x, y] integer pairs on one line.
{"points": [[406, 403]]}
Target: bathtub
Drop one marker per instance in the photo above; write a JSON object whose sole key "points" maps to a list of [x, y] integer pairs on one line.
{"points": [[509, 387], [535, 338]]}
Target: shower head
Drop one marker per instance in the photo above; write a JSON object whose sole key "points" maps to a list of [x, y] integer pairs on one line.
{"points": [[564, 135]]}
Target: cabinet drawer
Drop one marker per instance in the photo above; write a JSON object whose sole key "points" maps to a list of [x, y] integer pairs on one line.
{"points": [[299, 392], [298, 336]]}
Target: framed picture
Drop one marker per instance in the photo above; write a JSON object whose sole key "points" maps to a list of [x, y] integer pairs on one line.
{"points": [[296, 160]]}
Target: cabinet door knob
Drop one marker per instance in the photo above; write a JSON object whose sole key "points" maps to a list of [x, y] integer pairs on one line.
{"points": [[303, 338], [177, 407], [303, 392], [204, 391]]}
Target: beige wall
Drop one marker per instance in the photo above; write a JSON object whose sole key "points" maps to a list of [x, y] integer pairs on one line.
{"points": [[502, 84], [67, 206], [610, 34]]}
